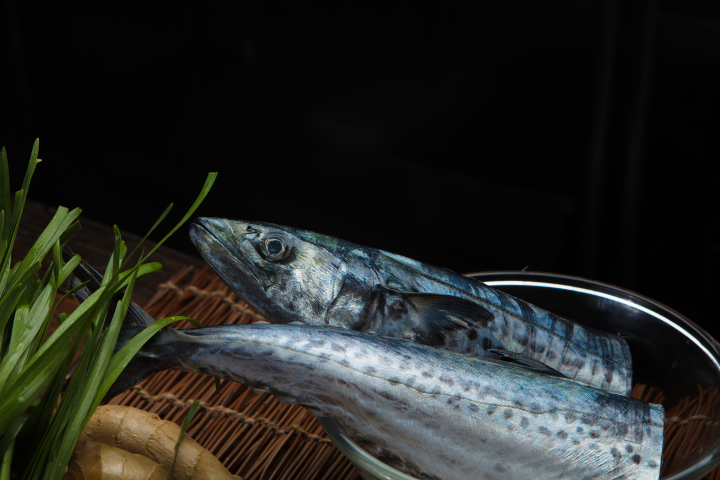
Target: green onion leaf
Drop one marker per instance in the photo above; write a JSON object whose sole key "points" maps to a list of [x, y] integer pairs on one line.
{"points": [[186, 424]]}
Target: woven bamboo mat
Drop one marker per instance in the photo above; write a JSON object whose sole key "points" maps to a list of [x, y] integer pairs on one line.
{"points": [[257, 437]]}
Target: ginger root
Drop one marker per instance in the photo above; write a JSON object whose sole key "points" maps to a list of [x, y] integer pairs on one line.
{"points": [[97, 461], [140, 432]]}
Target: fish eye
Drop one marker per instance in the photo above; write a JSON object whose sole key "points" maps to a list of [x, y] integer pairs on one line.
{"points": [[275, 249]]}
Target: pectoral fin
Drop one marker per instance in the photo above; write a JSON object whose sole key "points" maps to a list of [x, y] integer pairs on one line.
{"points": [[427, 317], [525, 362]]}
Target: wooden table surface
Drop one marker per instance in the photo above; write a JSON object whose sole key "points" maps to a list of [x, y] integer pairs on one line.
{"points": [[94, 243]]}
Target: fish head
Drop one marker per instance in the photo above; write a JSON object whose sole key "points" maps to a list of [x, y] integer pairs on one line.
{"points": [[285, 274]]}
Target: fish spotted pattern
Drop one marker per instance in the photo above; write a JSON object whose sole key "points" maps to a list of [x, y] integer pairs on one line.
{"points": [[430, 413]]}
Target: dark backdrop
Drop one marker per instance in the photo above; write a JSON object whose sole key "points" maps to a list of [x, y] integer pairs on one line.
{"points": [[577, 137]]}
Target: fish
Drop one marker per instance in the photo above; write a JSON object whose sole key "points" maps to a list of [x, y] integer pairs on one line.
{"points": [[290, 275], [430, 413]]}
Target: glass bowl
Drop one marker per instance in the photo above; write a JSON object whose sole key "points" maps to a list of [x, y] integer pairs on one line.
{"points": [[670, 353]]}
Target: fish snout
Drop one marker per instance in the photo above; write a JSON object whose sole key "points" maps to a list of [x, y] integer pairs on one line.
{"points": [[202, 227], [211, 224], [205, 231], [195, 233]]}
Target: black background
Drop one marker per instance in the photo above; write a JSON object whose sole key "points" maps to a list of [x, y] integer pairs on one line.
{"points": [[576, 137]]}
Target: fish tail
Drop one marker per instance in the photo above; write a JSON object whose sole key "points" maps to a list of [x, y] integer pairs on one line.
{"points": [[136, 318], [142, 366], [144, 363], [134, 372]]}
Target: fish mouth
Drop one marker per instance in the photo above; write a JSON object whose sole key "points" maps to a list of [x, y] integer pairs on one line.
{"points": [[204, 236]]}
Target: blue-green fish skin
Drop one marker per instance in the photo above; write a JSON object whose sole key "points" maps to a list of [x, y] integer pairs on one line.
{"points": [[430, 413], [322, 280]]}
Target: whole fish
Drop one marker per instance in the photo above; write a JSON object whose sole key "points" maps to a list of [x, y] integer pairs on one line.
{"points": [[289, 275], [427, 412]]}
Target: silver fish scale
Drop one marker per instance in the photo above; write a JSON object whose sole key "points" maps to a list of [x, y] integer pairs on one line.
{"points": [[602, 360], [438, 415]]}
